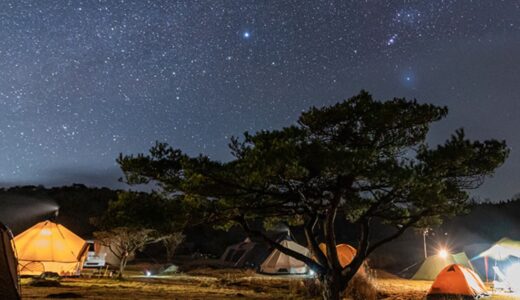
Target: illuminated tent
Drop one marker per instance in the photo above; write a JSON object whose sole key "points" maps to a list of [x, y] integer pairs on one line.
{"points": [[434, 264], [50, 247], [502, 250], [9, 285], [279, 263], [456, 281], [345, 252]]}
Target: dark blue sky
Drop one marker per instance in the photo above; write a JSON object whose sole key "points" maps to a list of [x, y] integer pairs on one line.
{"points": [[82, 81]]}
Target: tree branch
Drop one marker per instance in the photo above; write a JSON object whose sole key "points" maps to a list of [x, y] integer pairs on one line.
{"points": [[311, 241], [330, 236], [397, 234]]}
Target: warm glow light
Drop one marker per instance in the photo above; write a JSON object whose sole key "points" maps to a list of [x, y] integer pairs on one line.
{"points": [[443, 253], [45, 232]]}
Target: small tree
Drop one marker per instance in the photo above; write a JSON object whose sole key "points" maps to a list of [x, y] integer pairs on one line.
{"points": [[150, 217], [123, 242], [362, 160], [171, 242]]}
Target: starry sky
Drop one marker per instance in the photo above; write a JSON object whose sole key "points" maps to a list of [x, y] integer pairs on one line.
{"points": [[82, 81]]}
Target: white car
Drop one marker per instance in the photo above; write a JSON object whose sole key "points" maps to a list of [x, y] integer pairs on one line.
{"points": [[94, 259]]}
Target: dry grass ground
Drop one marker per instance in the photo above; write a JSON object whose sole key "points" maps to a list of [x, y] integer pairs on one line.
{"points": [[216, 284]]}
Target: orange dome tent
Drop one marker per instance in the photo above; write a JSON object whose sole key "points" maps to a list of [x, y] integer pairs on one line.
{"points": [[50, 247], [345, 252], [456, 281]]}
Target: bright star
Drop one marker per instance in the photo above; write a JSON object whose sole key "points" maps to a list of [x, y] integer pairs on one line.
{"points": [[391, 40], [247, 34], [408, 79]]}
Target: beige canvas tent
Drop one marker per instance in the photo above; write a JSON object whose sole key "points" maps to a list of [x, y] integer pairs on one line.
{"points": [[50, 247], [279, 263], [9, 285], [434, 264], [456, 282]]}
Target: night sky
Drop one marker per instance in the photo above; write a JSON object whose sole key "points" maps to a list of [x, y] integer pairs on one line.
{"points": [[82, 81]]}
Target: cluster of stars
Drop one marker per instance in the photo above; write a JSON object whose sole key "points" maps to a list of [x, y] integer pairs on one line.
{"points": [[83, 81]]}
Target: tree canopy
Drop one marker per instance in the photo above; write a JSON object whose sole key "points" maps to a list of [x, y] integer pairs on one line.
{"points": [[360, 159], [134, 220], [143, 210]]}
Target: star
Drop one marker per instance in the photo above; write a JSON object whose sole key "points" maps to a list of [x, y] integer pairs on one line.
{"points": [[112, 77], [408, 79], [391, 40]]}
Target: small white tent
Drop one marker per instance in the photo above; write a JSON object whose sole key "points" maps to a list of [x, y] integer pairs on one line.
{"points": [[279, 263], [502, 250]]}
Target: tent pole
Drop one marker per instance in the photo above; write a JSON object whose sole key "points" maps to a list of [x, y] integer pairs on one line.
{"points": [[486, 266], [425, 232]]}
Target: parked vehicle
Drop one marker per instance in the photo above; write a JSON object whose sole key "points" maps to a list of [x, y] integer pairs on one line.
{"points": [[95, 257]]}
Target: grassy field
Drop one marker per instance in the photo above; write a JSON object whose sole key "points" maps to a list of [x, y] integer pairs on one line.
{"points": [[209, 284]]}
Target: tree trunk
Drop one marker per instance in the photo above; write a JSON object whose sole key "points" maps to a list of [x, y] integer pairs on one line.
{"points": [[333, 288], [122, 266], [169, 254], [170, 246]]}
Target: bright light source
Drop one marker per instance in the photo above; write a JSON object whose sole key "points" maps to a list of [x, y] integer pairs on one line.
{"points": [[311, 272], [443, 253], [148, 273]]}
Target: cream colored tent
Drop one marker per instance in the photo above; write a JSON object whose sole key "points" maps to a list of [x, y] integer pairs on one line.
{"points": [[50, 247], [279, 263]]}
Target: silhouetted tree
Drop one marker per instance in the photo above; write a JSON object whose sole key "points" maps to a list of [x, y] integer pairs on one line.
{"points": [[123, 242], [151, 217], [360, 159]]}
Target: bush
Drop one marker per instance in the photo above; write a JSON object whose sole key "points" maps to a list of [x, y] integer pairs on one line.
{"points": [[361, 287], [311, 287]]}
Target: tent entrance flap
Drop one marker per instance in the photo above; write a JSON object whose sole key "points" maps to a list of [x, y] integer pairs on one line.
{"points": [[9, 284]]}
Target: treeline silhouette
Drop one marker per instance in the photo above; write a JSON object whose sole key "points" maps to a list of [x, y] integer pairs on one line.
{"points": [[483, 224]]}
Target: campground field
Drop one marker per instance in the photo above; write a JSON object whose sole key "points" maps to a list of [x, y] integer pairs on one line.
{"points": [[215, 284]]}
